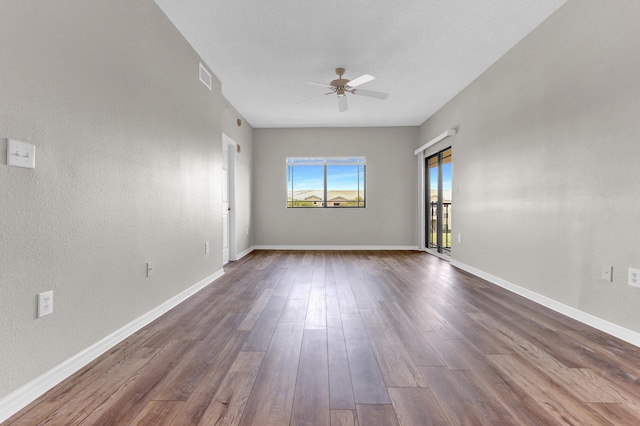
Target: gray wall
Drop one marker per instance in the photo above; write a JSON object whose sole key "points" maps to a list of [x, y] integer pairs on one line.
{"points": [[547, 158], [390, 216], [128, 154], [242, 135]]}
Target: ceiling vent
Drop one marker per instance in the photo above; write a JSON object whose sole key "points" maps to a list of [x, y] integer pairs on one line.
{"points": [[205, 76]]}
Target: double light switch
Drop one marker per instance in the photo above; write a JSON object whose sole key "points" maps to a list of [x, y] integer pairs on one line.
{"points": [[21, 154]]}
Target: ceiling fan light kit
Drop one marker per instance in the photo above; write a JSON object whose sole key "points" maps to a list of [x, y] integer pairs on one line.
{"points": [[341, 86]]}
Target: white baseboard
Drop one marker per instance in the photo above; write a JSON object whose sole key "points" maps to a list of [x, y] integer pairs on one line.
{"points": [[17, 400], [244, 253], [327, 247], [615, 330]]}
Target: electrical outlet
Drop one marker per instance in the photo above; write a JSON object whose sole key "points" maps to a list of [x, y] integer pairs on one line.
{"points": [[206, 248], [634, 277], [45, 303], [149, 269], [607, 273], [459, 238]]}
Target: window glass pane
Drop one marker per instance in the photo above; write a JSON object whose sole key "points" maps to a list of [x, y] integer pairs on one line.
{"points": [[433, 201], [305, 186], [446, 199], [345, 186], [439, 213], [326, 181]]}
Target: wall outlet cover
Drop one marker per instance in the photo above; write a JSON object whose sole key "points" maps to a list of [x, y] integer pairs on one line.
{"points": [[45, 303]]}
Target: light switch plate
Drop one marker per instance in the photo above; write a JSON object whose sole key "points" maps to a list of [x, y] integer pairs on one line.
{"points": [[21, 154]]}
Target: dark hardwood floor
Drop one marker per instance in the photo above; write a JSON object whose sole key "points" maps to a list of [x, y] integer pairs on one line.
{"points": [[347, 338]]}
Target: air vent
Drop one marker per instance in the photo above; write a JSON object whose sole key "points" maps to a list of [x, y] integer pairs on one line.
{"points": [[205, 76]]}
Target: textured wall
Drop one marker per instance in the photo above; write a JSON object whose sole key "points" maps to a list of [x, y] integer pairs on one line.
{"points": [[128, 151], [390, 216], [547, 159]]}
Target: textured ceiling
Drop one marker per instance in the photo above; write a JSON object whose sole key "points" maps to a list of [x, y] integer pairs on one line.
{"points": [[421, 52]]}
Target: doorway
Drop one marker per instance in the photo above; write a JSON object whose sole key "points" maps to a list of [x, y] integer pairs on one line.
{"points": [[438, 205], [228, 197]]}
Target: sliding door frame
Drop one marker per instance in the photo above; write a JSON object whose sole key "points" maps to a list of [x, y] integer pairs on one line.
{"points": [[422, 190]]}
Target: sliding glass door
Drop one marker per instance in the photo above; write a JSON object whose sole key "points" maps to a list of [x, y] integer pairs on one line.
{"points": [[438, 202]]}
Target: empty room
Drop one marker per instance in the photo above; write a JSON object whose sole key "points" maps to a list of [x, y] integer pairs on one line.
{"points": [[320, 213]]}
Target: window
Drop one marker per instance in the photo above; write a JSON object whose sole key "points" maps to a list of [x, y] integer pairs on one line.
{"points": [[438, 208], [326, 182]]}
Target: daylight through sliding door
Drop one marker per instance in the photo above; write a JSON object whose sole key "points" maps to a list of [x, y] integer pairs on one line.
{"points": [[438, 202]]}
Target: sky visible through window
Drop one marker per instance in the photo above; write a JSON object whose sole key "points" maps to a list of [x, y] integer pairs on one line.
{"points": [[338, 177], [306, 177], [446, 178]]}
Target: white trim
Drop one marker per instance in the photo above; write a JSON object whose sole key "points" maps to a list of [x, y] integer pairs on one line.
{"points": [[275, 247], [435, 140], [304, 247], [244, 253], [615, 330], [23, 396], [232, 196], [422, 194]]}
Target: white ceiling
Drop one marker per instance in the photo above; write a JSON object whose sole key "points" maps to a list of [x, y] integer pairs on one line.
{"points": [[421, 52]]}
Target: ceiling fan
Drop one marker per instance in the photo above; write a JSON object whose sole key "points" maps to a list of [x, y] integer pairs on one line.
{"points": [[342, 86]]}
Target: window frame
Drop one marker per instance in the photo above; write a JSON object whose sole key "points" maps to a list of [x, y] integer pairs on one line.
{"points": [[326, 161]]}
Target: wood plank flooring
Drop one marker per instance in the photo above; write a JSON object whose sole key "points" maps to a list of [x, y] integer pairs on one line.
{"points": [[352, 338]]}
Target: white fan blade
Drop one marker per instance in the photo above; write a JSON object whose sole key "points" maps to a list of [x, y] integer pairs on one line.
{"points": [[342, 104], [313, 83], [313, 97], [371, 94], [360, 80]]}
